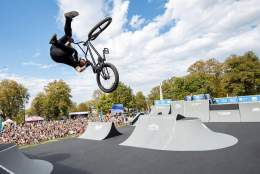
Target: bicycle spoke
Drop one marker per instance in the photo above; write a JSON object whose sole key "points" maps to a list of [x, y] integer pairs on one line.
{"points": [[107, 78]]}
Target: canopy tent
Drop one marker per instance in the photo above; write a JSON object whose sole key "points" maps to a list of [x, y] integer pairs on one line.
{"points": [[8, 121], [33, 119]]}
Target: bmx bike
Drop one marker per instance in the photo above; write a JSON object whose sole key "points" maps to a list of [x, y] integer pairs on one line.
{"points": [[107, 75]]}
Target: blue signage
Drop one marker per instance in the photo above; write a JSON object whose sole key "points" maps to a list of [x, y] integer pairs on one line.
{"points": [[226, 100], [232, 100], [254, 98], [239, 99], [221, 100], [117, 108], [162, 102], [199, 97]]}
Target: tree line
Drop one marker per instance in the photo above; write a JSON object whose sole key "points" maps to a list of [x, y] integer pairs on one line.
{"points": [[236, 75]]}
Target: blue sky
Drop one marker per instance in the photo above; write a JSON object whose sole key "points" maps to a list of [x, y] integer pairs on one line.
{"points": [[26, 31], [29, 25], [149, 40]]}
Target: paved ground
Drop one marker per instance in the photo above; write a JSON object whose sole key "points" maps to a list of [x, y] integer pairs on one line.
{"points": [[107, 157]]}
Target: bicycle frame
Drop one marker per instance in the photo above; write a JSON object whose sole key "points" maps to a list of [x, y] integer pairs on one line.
{"points": [[95, 65]]}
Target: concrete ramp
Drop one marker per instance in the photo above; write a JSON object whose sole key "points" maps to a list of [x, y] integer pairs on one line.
{"points": [[224, 116], [198, 109], [12, 161], [192, 135], [250, 112], [100, 131], [161, 110], [187, 134], [151, 132], [136, 117], [178, 107]]}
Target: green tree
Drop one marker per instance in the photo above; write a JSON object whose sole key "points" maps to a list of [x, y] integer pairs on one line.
{"points": [[179, 88], [13, 97], [83, 107], [140, 101], [154, 95], [58, 99], [105, 102], [73, 107], [38, 104], [242, 74], [205, 77], [124, 95]]}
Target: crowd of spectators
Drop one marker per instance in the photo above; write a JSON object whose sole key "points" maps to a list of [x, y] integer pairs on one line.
{"points": [[40, 131], [36, 132]]}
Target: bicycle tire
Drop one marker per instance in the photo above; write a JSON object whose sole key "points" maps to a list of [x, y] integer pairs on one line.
{"points": [[115, 83], [92, 36]]}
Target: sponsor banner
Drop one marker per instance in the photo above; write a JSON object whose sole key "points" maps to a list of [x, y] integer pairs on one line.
{"points": [[162, 102], [199, 97], [245, 99], [227, 100], [117, 108]]}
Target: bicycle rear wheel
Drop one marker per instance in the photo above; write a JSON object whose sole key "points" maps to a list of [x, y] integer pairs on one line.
{"points": [[108, 78]]}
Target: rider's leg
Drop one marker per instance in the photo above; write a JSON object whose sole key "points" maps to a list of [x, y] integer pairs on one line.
{"points": [[67, 27], [68, 31]]}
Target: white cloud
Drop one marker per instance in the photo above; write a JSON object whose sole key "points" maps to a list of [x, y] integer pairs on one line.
{"points": [[201, 29], [82, 84], [38, 65], [192, 30], [136, 21]]}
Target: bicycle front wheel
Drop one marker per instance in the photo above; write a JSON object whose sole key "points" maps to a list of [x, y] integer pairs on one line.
{"points": [[108, 78]]}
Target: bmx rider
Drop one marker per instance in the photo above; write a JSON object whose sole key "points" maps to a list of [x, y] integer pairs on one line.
{"points": [[61, 50]]}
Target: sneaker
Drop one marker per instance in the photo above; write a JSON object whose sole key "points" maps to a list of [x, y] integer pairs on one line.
{"points": [[80, 69], [71, 14], [53, 39]]}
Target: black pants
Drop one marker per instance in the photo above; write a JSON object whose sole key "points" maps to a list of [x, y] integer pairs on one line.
{"points": [[64, 54]]}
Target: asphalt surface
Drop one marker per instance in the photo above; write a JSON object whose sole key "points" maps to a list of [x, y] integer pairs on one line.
{"points": [[5, 146], [77, 156]]}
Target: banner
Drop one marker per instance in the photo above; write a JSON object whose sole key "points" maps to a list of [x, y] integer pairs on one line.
{"points": [[117, 108], [162, 102], [239, 99], [245, 99]]}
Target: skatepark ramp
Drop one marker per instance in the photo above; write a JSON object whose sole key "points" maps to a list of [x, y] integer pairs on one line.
{"points": [[161, 110], [178, 107], [100, 131], [191, 134], [167, 133], [12, 161], [198, 109], [152, 132], [250, 112], [224, 113], [135, 119]]}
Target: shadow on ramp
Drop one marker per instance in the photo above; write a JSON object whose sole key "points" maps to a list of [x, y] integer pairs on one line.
{"points": [[100, 131]]}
